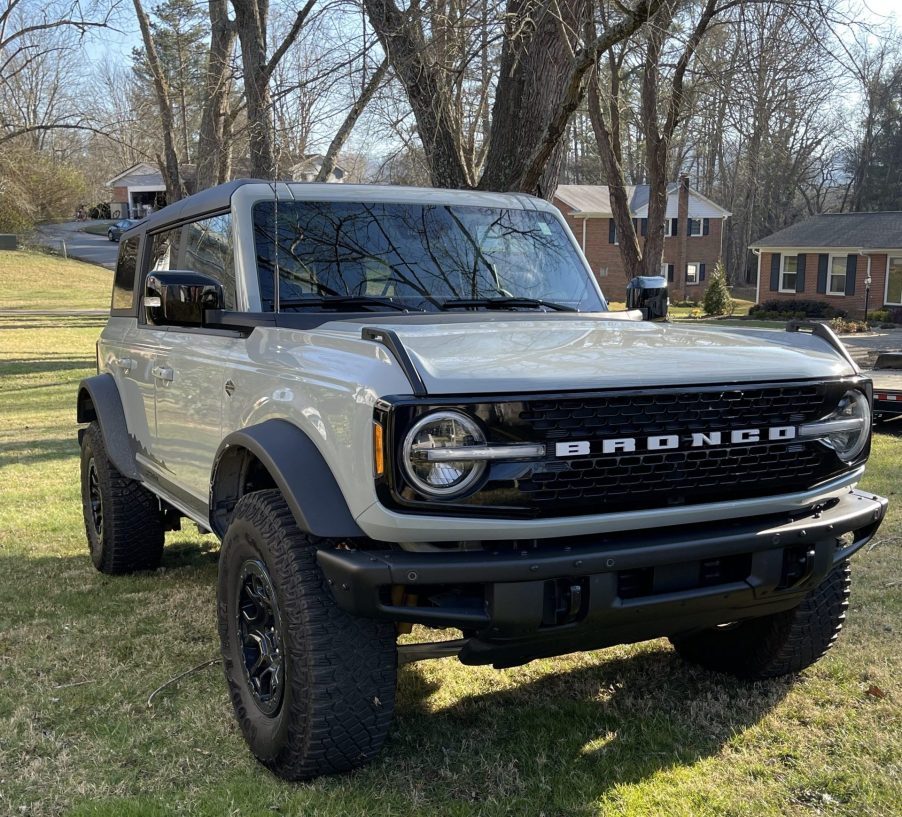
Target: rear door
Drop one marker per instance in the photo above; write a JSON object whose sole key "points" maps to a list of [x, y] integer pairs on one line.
{"points": [[130, 349]]}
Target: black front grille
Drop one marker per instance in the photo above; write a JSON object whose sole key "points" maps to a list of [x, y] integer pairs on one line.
{"points": [[648, 479], [599, 482], [676, 411]]}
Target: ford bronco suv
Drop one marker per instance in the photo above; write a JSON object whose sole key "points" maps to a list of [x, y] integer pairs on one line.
{"points": [[403, 406]]}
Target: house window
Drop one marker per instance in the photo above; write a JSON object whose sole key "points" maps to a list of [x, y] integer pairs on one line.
{"points": [[836, 275], [789, 273], [668, 228], [692, 272], [695, 226], [664, 270], [894, 280]]}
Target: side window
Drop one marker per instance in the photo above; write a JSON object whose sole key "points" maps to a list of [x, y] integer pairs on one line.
{"points": [[200, 246], [124, 279]]}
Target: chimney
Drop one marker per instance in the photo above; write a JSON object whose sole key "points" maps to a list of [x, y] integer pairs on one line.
{"points": [[682, 234]]}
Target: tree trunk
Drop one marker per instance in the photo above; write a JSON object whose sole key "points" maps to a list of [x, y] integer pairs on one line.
{"points": [[169, 162], [251, 17], [211, 143], [541, 82], [610, 151], [347, 126], [428, 95], [534, 78]]}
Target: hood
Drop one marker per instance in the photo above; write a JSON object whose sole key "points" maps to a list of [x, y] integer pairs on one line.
{"points": [[562, 353]]}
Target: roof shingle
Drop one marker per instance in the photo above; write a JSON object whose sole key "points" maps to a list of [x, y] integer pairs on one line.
{"points": [[840, 230]]}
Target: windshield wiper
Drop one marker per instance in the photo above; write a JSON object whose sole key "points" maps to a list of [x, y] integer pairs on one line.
{"points": [[503, 303], [344, 302]]}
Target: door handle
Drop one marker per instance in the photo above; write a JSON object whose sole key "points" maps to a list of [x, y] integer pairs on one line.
{"points": [[124, 363], [164, 373]]}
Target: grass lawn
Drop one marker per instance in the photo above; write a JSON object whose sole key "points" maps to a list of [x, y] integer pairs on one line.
{"points": [[695, 313], [33, 280], [625, 731]]}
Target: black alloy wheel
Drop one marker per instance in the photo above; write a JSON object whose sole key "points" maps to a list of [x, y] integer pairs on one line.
{"points": [[260, 631], [95, 499]]}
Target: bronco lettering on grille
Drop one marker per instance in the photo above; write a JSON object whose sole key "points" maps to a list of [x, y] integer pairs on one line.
{"points": [[669, 442]]}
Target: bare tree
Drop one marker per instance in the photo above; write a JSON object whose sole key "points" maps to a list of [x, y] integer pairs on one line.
{"points": [[35, 44], [169, 161], [252, 19], [341, 136], [662, 110], [547, 50], [212, 145]]}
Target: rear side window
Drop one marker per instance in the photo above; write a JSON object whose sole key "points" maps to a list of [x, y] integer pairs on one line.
{"points": [[124, 279], [201, 246]]}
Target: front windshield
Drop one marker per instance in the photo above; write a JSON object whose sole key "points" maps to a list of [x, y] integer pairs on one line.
{"points": [[416, 256]]}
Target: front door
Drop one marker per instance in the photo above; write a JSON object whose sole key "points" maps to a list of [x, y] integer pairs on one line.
{"points": [[190, 389], [189, 370]]}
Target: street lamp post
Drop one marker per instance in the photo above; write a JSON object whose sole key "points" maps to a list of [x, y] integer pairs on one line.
{"points": [[867, 296]]}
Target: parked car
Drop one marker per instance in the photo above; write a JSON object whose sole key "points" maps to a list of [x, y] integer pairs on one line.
{"points": [[404, 406], [114, 233]]}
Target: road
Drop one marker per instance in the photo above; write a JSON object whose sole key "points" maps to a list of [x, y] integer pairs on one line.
{"points": [[95, 249]]}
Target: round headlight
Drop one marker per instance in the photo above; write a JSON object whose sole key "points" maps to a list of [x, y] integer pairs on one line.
{"points": [[445, 434], [849, 442]]}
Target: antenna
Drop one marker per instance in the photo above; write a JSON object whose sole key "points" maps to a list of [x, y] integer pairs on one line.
{"points": [[275, 194]]}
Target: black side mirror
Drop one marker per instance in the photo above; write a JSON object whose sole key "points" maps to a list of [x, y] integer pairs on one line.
{"points": [[180, 298]]}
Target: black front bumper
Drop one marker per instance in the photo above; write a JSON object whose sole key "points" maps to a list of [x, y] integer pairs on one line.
{"points": [[516, 605]]}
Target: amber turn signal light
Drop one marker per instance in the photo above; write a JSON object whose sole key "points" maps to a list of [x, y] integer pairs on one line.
{"points": [[378, 450]]}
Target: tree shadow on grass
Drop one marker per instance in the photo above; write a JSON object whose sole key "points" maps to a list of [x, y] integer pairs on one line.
{"points": [[27, 452], [181, 551], [558, 743], [19, 366]]}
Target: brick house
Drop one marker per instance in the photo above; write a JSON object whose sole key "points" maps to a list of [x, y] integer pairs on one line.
{"points": [[693, 234], [851, 260]]}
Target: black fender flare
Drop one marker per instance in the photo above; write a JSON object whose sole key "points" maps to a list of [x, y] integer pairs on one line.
{"points": [[298, 470], [98, 399]]}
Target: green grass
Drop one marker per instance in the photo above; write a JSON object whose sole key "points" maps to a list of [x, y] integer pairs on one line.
{"points": [[32, 280], [694, 313], [625, 731]]}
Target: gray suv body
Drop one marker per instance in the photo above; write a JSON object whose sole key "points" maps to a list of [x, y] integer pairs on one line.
{"points": [[403, 406]]}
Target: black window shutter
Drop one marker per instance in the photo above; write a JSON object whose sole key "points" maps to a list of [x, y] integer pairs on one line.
{"points": [[706, 226], [800, 274], [822, 261], [701, 272], [775, 272], [644, 227], [612, 231], [670, 269], [636, 225], [674, 226], [851, 269], [688, 226]]}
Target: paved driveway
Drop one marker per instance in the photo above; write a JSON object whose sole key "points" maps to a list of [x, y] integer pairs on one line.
{"points": [[95, 249]]}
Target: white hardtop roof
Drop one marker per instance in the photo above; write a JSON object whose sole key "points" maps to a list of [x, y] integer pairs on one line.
{"points": [[220, 198]]}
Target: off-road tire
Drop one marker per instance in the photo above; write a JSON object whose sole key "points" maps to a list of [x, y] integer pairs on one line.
{"points": [[131, 534], [338, 688], [778, 644]]}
